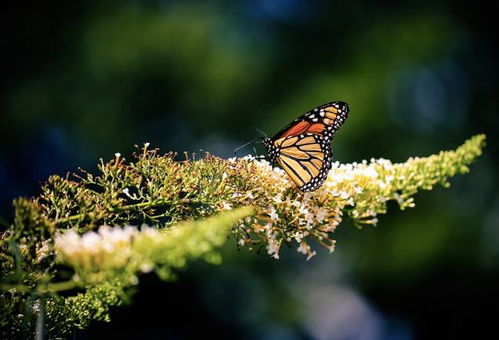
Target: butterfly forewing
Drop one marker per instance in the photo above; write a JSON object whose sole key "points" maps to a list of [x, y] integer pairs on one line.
{"points": [[324, 120]]}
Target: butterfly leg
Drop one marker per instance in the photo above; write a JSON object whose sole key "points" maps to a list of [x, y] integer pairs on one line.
{"points": [[262, 158], [256, 154]]}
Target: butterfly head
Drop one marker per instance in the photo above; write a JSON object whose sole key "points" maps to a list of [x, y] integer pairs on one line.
{"points": [[267, 142]]}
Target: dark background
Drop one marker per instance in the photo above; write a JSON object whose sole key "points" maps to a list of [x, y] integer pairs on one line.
{"points": [[85, 79]]}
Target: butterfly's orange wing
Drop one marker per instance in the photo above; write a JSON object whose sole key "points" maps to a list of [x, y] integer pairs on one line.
{"points": [[324, 120], [305, 158], [303, 147]]}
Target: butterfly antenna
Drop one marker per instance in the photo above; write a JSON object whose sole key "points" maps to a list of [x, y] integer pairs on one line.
{"points": [[254, 150], [246, 144], [262, 133]]}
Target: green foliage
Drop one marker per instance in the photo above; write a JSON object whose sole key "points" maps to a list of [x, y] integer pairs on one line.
{"points": [[105, 265], [65, 313], [89, 236]]}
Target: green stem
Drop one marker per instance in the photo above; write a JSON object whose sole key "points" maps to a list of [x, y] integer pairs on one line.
{"points": [[124, 208], [57, 286], [43, 288], [18, 287]]}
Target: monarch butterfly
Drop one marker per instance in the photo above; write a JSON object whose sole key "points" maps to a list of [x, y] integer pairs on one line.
{"points": [[303, 148]]}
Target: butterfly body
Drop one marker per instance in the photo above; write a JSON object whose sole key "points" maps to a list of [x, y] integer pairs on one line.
{"points": [[303, 148]]}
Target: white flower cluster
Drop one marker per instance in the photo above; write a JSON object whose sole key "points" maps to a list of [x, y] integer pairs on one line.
{"points": [[348, 182], [293, 216], [107, 248], [361, 190]]}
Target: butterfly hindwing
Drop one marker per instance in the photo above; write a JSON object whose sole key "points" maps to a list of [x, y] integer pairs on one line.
{"points": [[305, 158]]}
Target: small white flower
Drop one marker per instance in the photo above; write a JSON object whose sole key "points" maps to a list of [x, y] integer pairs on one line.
{"points": [[311, 254], [303, 248], [310, 219], [277, 199], [146, 267], [298, 236], [321, 214], [370, 172], [331, 247], [273, 248], [149, 232], [36, 306], [344, 195], [273, 214], [90, 241], [397, 197], [303, 209], [249, 157]]}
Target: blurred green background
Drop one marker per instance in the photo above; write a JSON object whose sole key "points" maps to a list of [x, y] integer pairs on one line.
{"points": [[85, 79]]}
